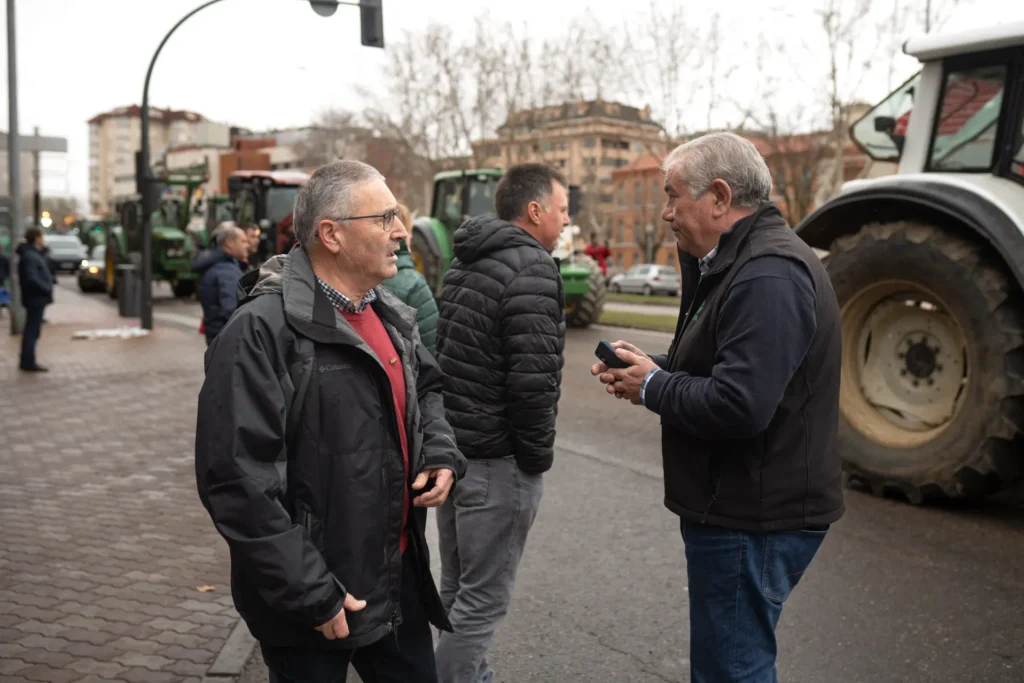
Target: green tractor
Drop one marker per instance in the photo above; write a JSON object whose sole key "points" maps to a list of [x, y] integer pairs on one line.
{"points": [[172, 247], [459, 195], [208, 211]]}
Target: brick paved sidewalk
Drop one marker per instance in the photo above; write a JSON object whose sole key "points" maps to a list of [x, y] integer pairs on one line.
{"points": [[103, 540]]}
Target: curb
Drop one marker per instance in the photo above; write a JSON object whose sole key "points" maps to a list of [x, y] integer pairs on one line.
{"points": [[232, 656]]}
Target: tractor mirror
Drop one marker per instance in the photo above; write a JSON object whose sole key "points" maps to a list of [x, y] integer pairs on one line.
{"points": [[575, 199], [885, 124]]}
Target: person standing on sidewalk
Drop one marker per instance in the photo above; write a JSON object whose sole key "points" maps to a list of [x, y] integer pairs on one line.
{"points": [[320, 425], [501, 335], [36, 281], [748, 396], [411, 287], [220, 269]]}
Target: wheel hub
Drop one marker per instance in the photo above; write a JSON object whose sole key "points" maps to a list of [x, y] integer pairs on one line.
{"points": [[911, 363], [921, 359]]}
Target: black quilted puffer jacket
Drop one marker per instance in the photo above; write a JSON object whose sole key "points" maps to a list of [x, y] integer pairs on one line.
{"points": [[500, 338]]}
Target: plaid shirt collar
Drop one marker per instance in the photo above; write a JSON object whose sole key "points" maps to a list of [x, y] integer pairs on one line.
{"points": [[342, 302], [705, 263]]}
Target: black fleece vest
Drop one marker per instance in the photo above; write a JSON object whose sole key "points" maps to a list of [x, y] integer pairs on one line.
{"points": [[789, 476]]}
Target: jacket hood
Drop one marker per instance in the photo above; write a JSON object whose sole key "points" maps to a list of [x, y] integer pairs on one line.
{"points": [[291, 277], [24, 247], [209, 258], [479, 237]]}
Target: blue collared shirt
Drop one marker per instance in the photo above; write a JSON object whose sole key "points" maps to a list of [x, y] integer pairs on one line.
{"points": [[342, 302], [704, 263]]}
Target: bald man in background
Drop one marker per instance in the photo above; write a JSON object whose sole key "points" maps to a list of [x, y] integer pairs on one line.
{"points": [[220, 269]]}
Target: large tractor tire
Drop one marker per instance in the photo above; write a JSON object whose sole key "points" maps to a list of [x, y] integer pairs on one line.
{"points": [[588, 310], [426, 254], [110, 261], [932, 393], [183, 288]]}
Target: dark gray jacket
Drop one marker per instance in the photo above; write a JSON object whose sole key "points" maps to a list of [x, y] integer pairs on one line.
{"points": [[299, 460], [218, 288], [750, 403], [34, 277]]}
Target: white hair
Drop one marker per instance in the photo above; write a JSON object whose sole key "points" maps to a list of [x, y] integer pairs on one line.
{"points": [[328, 195], [726, 156]]}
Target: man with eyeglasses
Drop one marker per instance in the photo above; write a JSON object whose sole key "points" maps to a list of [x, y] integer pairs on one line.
{"points": [[322, 439]]}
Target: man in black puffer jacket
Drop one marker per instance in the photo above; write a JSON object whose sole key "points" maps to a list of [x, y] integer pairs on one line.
{"points": [[500, 338]]}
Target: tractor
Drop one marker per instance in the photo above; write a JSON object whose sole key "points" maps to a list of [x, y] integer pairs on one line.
{"points": [[208, 211], [460, 195], [172, 248], [928, 268], [265, 199]]}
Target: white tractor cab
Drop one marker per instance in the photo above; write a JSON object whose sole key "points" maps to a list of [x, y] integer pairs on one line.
{"points": [[928, 267]]}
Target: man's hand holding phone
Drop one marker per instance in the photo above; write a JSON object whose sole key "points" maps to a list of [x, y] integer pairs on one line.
{"points": [[624, 382]]}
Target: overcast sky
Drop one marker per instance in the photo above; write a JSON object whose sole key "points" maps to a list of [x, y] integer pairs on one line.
{"points": [[274, 63]]}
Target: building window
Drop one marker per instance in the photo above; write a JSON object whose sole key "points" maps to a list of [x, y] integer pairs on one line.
{"points": [[622, 231], [589, 142], [637, 199], [671, 260]]}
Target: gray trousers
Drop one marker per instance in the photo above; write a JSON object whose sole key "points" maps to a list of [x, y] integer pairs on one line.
{"points": [[482, 530]]}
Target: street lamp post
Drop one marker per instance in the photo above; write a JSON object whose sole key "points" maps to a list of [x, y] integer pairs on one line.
{"points": [[372, 32], [14, 173]]}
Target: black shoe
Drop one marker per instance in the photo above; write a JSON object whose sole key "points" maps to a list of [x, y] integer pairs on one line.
{"points": [[36, 368]]}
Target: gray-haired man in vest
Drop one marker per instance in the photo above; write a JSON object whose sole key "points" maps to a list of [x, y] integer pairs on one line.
{"points": [[748, 396]]}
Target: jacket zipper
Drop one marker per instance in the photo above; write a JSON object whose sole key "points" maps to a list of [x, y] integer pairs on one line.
{"points": [[396, 435]]}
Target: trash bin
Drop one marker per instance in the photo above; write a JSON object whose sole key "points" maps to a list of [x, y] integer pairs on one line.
{"points": [[129, 290]]}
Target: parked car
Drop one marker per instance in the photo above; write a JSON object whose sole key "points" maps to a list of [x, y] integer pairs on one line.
{"points": [[66, 252], [91, 271], [648, 279]]}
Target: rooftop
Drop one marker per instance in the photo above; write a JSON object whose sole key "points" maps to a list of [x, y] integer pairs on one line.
{"points": [[155, 114], [570, 111]]}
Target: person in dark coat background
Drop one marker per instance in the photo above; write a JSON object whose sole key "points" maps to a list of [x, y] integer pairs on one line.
{"points": [[500, 338], [36, 281], [411, 287], [220, 270]]}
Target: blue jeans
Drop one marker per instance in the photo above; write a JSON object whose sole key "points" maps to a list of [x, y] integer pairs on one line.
{"points": [[738, 582]]}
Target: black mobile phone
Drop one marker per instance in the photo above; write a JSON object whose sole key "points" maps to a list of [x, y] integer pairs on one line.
{"points": [[606, 352]]}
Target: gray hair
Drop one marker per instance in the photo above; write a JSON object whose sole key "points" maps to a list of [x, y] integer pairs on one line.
{"points": [[223, 232], [727, 156], [328, 195]]}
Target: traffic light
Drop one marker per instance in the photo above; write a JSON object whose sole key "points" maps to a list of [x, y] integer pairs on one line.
{"points": [[371, 23]]}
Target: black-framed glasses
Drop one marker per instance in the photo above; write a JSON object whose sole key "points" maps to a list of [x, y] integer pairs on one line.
{"points": [[386, 218]]}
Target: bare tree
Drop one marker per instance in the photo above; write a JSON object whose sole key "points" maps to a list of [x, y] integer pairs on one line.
{"points": [[664, 57], [333, 135]]}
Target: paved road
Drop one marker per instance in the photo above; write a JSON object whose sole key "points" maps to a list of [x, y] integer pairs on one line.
{"points": [[897, 593]]}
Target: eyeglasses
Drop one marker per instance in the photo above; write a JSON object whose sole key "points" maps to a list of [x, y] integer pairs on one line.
{"points": [[386, 219]]}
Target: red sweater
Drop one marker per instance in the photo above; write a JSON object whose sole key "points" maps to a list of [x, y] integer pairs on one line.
{"points": [[371, 329]]}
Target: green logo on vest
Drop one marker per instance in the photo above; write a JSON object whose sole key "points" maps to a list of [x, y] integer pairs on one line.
{"points": [[697, 313]]}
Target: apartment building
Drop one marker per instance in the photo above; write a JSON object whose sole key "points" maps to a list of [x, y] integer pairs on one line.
{"points": [[638, 235], [804, 175], [116, 135], [587, 141]]}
